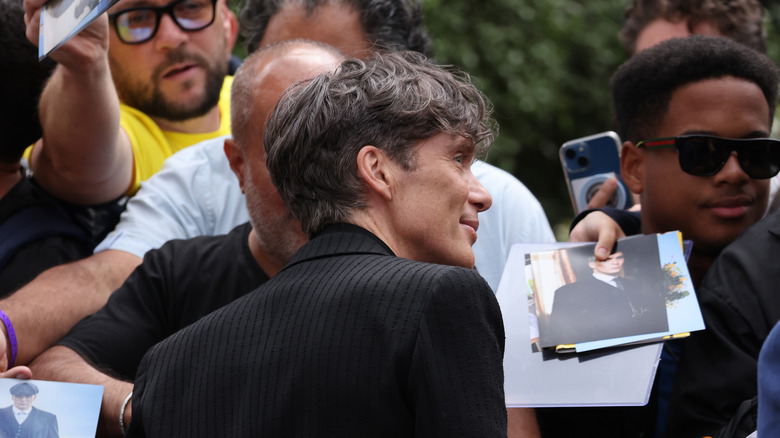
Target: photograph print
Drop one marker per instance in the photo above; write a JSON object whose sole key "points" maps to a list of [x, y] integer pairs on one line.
{"points": [[580, 299]]}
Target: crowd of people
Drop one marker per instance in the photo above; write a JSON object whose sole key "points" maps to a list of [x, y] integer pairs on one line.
{"points": [[307, 242]]}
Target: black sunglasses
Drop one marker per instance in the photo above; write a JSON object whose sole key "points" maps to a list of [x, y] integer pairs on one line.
{"points": [[705, 155], [139, 25]]}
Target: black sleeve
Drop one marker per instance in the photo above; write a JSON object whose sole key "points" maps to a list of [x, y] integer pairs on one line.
{"points": [[37, 257], [629, 221], [457, 377], [134, 319]]}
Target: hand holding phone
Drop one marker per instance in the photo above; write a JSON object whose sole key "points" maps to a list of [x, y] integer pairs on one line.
{"points": [[589, 163]]}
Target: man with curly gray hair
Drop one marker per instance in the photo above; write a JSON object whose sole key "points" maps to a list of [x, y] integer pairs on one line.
{"points": [[391, 105], [378, 326]]}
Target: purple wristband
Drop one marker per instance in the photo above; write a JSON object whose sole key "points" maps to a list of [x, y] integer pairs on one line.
{"points": [[11, 337]]}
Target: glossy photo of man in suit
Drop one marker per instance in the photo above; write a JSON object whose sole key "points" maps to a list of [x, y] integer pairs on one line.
{"points": [[604, 304], [22, 420], [378, 326]]}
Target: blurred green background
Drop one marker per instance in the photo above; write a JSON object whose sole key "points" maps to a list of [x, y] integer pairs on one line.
{"points": [[545, 65]]}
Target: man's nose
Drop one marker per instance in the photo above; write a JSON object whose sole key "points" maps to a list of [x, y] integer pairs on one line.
{"points": [[478, 195], [732, 172], [169, 34]]}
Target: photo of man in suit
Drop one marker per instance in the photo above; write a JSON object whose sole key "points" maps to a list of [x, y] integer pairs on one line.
{"points": [[22, 420], [603, 304]]}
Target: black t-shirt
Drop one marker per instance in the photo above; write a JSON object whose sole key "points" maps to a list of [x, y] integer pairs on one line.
{"points": [[40, 254], [175, 286]]}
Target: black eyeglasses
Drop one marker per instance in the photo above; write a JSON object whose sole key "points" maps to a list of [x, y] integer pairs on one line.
{"points": [[139, 25], [705, 155]]}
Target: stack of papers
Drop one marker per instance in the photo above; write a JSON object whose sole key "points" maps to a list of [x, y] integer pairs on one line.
{"points": [[567, 355]]}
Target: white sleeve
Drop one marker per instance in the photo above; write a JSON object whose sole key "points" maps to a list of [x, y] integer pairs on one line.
{"points": [[515, 216], [194, 194]]}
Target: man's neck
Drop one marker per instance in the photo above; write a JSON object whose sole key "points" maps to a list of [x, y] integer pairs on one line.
{"points": [[269, 264], [196, 125], [9, 175]]}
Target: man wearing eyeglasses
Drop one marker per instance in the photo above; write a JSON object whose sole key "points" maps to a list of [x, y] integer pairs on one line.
{"points": [[695, 114], [126, 96]]}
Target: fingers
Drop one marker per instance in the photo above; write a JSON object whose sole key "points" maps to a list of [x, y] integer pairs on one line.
{"points": [[606, 240], [20, 372], [600, 228], [32, 19], [601, 197]]}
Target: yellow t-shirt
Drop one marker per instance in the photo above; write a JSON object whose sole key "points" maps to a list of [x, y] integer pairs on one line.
{"points": [[151, 145]]}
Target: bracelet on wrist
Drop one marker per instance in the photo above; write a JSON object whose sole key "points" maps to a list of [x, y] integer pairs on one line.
{"points": [[122, 413], [9, 328]]}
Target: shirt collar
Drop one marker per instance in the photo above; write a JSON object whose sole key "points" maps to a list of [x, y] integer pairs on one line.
{"points": [[17, 411], [605, 278]]}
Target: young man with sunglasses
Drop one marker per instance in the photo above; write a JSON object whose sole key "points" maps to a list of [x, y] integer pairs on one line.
{"points": [[695, 114], [131, 89], [697, 164]]}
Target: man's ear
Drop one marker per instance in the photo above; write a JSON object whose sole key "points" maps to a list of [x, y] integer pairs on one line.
{"points": [[632, 167], [235, 156], [231, 26], [374, 167]]}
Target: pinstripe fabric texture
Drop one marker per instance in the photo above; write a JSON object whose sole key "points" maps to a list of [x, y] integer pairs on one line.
{"points": [[346, 341]]}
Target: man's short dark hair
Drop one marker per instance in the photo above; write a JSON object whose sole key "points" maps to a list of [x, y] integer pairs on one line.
{"points": [[22, 79], [391, 101], [740, 20], [643, 86], [389, 24]]}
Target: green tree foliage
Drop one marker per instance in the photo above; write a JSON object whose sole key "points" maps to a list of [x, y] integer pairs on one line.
{"points": [[545, 65]]}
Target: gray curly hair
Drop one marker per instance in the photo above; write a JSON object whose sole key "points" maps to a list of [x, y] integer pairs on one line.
{"points": [[391, 101]]}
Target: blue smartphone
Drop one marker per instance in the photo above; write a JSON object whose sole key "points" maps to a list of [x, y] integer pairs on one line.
{"points": [[587, 162]]}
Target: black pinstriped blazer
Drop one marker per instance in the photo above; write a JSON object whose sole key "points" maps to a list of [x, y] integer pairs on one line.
{"points": [[346, 341]]}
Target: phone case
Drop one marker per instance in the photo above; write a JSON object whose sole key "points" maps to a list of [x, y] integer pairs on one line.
{"points": [[587, 162]]}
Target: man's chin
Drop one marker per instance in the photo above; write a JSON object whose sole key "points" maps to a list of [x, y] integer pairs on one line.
{"points": [[178, 112]]}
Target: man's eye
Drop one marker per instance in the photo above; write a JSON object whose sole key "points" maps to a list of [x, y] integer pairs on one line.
{"points": [[138, 18]]}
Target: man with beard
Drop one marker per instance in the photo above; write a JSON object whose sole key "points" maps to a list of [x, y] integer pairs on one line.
{"points": [[186, 279], [122, 100]]}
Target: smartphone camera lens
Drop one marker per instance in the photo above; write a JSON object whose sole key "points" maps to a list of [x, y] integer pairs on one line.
{"points": [[570, 153], [582, 161]]}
